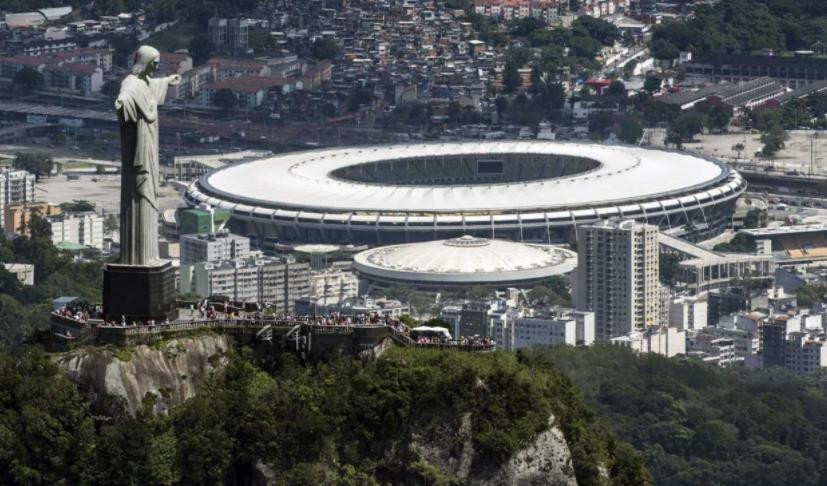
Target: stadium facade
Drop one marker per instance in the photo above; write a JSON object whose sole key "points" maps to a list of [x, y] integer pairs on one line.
{"points": [[537, 191]]}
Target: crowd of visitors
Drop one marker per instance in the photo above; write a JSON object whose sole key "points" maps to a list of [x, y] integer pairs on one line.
{"points": [[475, 341], [80, 311], [432, 340], [206, 310]]}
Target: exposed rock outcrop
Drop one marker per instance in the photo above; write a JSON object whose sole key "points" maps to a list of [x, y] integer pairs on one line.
{"points": [[160, 376], [546, 461]]}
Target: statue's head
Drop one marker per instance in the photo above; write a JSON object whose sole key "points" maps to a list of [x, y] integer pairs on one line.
{"points": [[146, 60]]}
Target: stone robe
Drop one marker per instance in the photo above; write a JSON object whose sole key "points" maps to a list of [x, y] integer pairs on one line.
{"points": [[137, 108]]}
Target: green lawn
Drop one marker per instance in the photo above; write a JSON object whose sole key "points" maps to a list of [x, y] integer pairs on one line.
{"points": [[78, 165]]}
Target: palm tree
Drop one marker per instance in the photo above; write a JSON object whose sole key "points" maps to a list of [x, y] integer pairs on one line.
{"points": [[738, 147]]}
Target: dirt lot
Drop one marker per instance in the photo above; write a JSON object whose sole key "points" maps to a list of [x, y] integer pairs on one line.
{"points": [[103, 191], [795, 156]]}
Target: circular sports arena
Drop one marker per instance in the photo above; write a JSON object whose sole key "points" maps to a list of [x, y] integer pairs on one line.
{"points": [[462, 263], [518, 190]]}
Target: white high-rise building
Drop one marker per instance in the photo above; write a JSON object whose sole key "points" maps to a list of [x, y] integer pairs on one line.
{"points": [[213, 247], [663, 340], [332, 286], [565, 327], [805, 352], [277, 281], [617, 276], [82, 228], [688, 313], [16, 186]]}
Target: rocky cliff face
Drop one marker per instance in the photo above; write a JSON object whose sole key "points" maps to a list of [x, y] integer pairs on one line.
{"points": [[546, 461], [161, 376]]}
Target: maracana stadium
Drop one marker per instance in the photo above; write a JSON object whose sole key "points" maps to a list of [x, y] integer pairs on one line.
{"points": [[535, 191]]}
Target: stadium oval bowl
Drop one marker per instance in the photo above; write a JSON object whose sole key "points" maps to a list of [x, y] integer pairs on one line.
{"points": [[518, 190]]}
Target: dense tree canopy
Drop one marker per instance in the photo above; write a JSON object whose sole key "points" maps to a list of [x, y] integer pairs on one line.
{"points": [[201, 48], [28, 78], [38, 164], [743, 26], [342, 421], [699, 424], [225, 99], [325, 49], [25, 308]]}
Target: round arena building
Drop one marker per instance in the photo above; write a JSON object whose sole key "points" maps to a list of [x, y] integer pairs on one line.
{"points": [[462, 262], [536, 191]]}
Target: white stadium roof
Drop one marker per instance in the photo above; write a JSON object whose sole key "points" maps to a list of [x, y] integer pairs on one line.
{"points": [[464, 260], [303, 180]]}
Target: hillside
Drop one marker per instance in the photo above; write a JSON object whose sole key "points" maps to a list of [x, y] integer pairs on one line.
{"points": [[698, 424], [409, 417]]}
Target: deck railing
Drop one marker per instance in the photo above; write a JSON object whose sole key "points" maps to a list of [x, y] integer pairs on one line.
{"points": [[99, 328]]}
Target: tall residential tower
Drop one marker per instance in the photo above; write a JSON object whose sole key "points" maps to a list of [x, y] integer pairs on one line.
{"points": [[617, 276]]}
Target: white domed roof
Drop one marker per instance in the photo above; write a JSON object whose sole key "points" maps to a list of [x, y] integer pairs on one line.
{"points": [[465, 259]]}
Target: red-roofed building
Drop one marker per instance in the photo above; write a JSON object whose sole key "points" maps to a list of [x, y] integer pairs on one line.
{"points": [[181, 64], [598, 85], [226, 68], [174, 63], [79, 70], [74, 76], [518, 9], [191, 82], [10, 65], [250, 91], [101, 58]]}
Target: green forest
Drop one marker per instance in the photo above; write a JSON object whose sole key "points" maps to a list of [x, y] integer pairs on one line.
{"points": [[742, 27], [700, 425], [346, 422], [351, 422], [24, 309]]}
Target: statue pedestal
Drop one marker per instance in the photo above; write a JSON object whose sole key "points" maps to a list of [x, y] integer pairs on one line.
{"points": [[139, 293]]}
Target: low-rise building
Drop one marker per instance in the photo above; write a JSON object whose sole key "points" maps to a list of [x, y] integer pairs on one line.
{"points": [[213, 247], [19, 215], [703, 344], [84, 79], [560, 327], [353, 307], [78, 70], [227, 68], [250, 91], [712, 349], [202, 219], [84, 228], [688, 313], [331, 286], [278, 282], [805, 352], [16, 186], [23, 271], [663, 340]]}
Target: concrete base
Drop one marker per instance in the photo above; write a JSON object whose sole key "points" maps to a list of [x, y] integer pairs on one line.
{"points": [[139, 293]]}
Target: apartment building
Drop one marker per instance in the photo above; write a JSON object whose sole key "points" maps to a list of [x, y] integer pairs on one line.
{"points": [[561, 327], [84, 228], [16, 186], [617, 276], [805, 352], [19, 215], [213, 247], [275, 281]]}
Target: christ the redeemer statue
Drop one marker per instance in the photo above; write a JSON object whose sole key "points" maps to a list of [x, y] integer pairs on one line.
{"points": [[137, 108]]}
